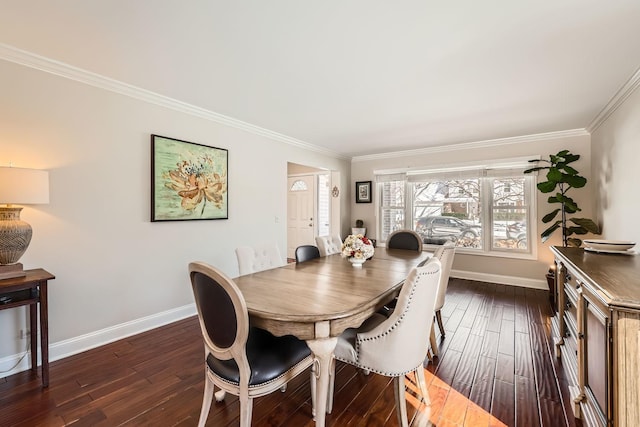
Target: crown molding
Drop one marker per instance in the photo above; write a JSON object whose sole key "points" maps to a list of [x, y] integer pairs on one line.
{"points": [[48, 65], [473, 145], [615, 102]]}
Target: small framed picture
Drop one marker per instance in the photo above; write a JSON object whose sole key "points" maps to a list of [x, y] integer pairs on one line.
{"points": [[363, 191]]}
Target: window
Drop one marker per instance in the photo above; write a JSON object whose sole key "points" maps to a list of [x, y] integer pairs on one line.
{"points": [[392, 205], [484, 211], [324, 205], [299, 185]]}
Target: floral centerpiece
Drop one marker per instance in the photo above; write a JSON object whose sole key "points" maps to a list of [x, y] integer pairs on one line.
{"points": [[357, 249]]}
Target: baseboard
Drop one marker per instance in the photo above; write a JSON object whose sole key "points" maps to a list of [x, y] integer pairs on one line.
{"points": [[69, 347], [500, 279]]}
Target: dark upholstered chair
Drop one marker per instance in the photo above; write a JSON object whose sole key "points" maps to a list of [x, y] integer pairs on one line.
{"points": [[405, 239], [245, 361], [396, 345], [306, 252]]}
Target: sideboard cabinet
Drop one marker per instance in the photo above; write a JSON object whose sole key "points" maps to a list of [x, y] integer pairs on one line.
{"points": [[596, 332]]}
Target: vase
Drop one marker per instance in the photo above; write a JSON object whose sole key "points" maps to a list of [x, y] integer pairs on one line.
{"points": [[356, 262]]}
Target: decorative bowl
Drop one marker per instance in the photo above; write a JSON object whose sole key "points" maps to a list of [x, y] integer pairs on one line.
{"points": [[356, 262]]}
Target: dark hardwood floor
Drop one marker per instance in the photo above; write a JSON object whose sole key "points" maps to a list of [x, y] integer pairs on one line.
{"points": [[495, 368]]}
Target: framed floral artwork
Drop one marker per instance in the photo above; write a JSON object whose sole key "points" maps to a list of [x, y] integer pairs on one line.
{"points": [[188, 180]]}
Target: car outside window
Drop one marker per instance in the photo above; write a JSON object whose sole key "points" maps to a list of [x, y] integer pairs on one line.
{"points": [[490, 215]]}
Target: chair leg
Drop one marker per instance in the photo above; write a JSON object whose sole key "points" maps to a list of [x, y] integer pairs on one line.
{"points": [[332, 383], [220, 394], [401, 402], [440, 325], [422, 384], [313, 382], [206, 400], [246, 409], [432, 339]]}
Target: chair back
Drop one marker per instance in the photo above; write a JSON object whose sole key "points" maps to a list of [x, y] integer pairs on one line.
{"points": [[329, 245], [405, 239], [222, 313], [445, 254], [258, 258], [399, 344], [306, 252]]}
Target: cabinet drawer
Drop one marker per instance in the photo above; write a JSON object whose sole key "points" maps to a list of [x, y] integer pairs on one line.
{"points": [[570, 324], [571, 343], [570, 365], [572, 281]]}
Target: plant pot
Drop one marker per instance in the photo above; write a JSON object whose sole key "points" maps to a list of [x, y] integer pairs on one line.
{"points": [[551, 282]]}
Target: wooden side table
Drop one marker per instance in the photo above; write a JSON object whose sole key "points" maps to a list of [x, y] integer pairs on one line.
{"points": [[31, 290]]}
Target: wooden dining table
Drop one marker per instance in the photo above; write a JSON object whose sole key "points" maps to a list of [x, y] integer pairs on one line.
{"points": [[317, 300]]}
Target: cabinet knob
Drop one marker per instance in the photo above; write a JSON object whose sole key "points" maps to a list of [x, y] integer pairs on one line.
{"points": [[581, 335]]}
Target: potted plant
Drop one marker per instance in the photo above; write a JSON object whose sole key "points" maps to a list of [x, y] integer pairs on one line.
{"points": [[561, 178], [359, 228]]}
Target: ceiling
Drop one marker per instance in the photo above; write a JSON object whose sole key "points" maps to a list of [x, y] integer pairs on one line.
{"points": [[354, 77]]}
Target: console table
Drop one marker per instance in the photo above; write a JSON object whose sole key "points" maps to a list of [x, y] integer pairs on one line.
{"points": [[31, 290], [596, 331]]}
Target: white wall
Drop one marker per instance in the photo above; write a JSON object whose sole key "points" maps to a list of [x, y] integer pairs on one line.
{"points": [[514, 271], [616, 155], [112, 265]]}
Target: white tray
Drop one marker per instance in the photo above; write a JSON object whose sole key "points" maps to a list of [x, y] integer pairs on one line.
{"points": [[604, 251], [608, 245]]}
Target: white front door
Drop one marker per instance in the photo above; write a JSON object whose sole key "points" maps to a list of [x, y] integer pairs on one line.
{"points": [[300, 212]]}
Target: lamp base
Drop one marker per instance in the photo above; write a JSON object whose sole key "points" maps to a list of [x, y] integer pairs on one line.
{"points": [[12, 270], [15, 235]]}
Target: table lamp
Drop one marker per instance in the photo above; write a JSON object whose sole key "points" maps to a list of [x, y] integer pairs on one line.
{"points": [[18, 186]]}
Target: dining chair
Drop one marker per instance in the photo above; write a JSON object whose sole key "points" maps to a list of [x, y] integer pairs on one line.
{"points": [[306, 252], [445, 254], [405, 239], [257, 258], [245, 361], [329, 245], [396, 345]]}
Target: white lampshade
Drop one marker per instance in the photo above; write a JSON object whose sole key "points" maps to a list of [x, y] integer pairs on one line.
{"points": [[23, 186]]}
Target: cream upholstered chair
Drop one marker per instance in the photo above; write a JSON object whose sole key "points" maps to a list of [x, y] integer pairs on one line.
{"points": [[445, 254], [306, 252], [329, 245], [396, 345], [258, 258], [405, 239], [245, 361]]}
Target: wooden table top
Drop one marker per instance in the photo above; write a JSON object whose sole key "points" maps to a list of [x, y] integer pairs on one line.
{"points": [[35, 275], [327, 288]]}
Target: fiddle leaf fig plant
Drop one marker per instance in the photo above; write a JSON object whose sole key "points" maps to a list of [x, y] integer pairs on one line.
{"points": [[561, 178]]}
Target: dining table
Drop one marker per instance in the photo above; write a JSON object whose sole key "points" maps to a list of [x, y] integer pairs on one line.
{"points": [[317, 300]]}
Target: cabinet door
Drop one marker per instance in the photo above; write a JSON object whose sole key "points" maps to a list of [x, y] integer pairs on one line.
{"points": [[597, 361]]}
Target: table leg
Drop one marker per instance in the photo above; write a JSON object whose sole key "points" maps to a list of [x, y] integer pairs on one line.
{"points": [[322, 349], [33, 330], [44, 333]]}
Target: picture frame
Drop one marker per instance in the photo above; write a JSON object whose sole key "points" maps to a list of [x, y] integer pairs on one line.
{"points": [[188, 180], [363, 191]]}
